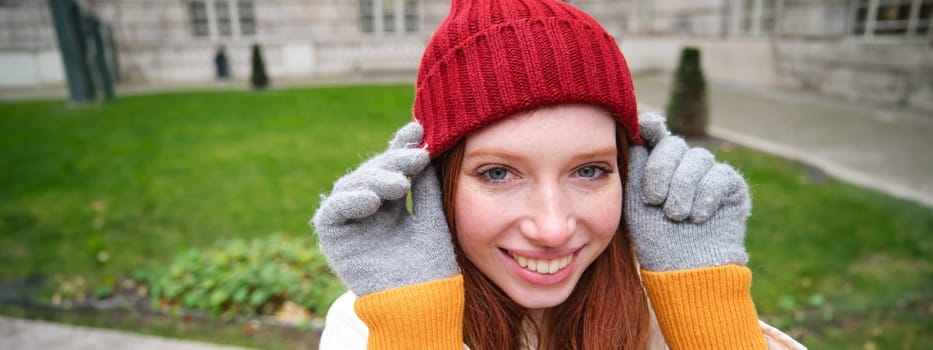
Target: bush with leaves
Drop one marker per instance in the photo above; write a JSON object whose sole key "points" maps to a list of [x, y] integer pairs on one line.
{"points": [[240, 277], [258, 77], [687, 110]]}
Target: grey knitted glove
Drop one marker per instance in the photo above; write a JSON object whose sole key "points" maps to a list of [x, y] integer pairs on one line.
{"points": [[364, 228], [684, 209]]}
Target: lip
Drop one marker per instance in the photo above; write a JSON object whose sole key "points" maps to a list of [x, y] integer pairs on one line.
{"points": [[537, 278], [538, 254]]}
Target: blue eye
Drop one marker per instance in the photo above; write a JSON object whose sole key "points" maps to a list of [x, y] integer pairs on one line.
{"points": [[496, 174], [590, 171]]}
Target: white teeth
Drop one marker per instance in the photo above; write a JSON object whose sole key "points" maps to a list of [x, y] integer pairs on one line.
{"points": [[543, 266], [522, 261]]}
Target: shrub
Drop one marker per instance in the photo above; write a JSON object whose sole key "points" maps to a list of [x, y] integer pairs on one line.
{"points": [[240, 277], [687, 110], [258, 78]]}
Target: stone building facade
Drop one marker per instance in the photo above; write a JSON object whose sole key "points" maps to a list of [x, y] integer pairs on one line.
{"points": [[28, 51], [879, 50]]}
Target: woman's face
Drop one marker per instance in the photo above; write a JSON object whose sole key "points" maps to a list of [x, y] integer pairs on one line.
{"points": [[538, 198]]}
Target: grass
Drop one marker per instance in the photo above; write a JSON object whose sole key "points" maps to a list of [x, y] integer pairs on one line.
{"points": [[145, 177], [840, 266], [93, 193]]}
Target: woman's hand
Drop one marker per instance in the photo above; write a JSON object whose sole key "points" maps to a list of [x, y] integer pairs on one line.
{"points": [[364, 228], [685, 210]]}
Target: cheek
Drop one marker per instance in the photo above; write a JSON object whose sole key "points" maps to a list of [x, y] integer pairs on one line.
{"points": [[602, 212], [477, 219]]}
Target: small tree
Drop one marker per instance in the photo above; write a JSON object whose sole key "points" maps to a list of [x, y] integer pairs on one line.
{"points": [[687, 110], [258, 78]]}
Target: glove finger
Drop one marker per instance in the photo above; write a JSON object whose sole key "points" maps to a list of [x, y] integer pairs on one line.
{"points": [[387, 185], [652, 127], [660, 168], [340, 207], [692, 168], [407, 136], [721, 186], [426, 194], [638, 156], [407, 161], [433, 234]]}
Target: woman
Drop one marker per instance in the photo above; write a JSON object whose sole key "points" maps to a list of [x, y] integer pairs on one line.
{"points": [[534, 203]]}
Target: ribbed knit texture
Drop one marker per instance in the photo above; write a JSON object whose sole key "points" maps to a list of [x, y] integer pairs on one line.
{"points": [[698, 309], [493, 58], [708, 308], [421, 316]]}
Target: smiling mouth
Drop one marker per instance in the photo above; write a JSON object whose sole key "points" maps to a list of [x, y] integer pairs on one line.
{"points": [[543, 266]]}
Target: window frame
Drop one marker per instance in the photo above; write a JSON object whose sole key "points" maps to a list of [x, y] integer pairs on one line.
{"points": [[222, 19], [753, 18], [390, 17], [198, 21], [913, 20], [246, 14]]}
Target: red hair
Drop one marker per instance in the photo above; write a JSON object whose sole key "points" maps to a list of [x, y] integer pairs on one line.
{"points": [[608, 308]]}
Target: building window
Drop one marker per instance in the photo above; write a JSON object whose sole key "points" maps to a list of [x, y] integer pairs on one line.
{"points": [[247, 17], [753, 17], [222, 13], [222, 18], [892, 18], [198, 11], [411, 16], [745, 16], [389, 16], [367, 22]]}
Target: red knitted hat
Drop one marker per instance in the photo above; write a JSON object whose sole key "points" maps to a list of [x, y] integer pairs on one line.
{"points": [[490, 59]]}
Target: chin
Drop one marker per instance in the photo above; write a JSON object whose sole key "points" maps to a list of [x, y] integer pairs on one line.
{"points": [[536, 297], [545, 302]]}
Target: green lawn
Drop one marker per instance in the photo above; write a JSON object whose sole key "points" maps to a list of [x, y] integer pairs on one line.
{"points": [[98, 192], [143, 178], [836, 265]]}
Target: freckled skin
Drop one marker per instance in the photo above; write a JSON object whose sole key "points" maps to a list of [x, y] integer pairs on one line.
{"points": [[542, 183]]}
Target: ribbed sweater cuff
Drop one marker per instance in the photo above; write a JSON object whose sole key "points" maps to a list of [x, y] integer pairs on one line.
{"points": [[422, 316], [706, 308]]}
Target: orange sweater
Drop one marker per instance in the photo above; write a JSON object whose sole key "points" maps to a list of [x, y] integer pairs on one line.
{"points": [[708, 308]]}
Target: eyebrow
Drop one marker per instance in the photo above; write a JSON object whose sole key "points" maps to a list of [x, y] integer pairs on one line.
{"points": [[599, 153], [497, 153], [491, 153]]}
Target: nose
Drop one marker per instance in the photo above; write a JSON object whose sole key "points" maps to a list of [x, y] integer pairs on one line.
{"points": [[549, 222]]}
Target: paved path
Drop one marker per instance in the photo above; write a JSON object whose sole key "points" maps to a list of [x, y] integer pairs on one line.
{"points": [[18, 334], [889, 149]]}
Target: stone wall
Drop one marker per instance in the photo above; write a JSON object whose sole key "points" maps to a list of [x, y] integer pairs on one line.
{"points": [[809, 47], [301, 39], [28, 50], [900, 73]]}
